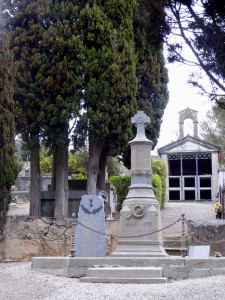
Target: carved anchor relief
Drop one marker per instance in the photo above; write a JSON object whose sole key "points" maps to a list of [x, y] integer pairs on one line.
{"points": [[88, 211], [138, 211]]}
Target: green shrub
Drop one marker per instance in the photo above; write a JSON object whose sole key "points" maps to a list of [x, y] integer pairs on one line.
{"points": [[121, 184], [159, 168], [157, 188]]}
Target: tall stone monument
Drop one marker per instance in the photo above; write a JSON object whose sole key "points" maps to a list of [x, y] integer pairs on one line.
{"points": [[140, 212]]}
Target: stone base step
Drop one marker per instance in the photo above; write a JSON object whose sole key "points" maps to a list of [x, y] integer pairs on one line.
{"points": [[124, 280], [173, 251], [172, 245], [124, 275]]}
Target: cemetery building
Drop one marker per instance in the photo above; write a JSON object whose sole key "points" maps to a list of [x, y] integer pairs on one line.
{"points": [[192, 164]]}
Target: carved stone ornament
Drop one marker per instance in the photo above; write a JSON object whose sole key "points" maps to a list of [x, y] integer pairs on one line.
{"points": [[141, 172], [140, 120], [138, 211]]}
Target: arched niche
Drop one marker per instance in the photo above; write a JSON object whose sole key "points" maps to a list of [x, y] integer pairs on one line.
{"points": [[188, 114]]}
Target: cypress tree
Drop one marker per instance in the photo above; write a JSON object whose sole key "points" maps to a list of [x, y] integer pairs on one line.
{"points": [[25, 21], [47, 54], [109, 79], [59, 81], [8, 170], [150, 29]]}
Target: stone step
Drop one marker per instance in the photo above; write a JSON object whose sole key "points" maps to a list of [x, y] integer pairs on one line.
{"points": [[173, 251], [134, 272], [172, 245], [124, 275], [124, 280]]}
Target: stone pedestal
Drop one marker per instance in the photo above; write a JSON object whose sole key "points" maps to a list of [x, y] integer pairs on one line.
{"points": [[140, 214]]}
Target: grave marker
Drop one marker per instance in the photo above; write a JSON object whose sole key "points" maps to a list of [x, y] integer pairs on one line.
{"points": [[199, 251], [91, 213]]}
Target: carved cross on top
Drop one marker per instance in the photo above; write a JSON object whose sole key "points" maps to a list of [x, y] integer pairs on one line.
{"points": [[140, 120]]}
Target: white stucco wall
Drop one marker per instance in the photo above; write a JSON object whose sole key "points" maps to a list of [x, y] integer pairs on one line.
{"points": [[215, 167]]}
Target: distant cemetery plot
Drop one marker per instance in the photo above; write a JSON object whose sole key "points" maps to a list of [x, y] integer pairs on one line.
{"points": [[91, 214]]}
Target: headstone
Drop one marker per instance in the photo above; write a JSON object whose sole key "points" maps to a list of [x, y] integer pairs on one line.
{"points": [[91, 214], [199, 251]]}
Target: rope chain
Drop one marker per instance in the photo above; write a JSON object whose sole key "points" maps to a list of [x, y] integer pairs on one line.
{"points": [[48, 245], [200, 239], [130, 236], [57, 238]]}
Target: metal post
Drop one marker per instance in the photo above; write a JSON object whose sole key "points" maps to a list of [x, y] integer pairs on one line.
{"points": [[41, 247], [65, 241], [222, 191], [183, 244], [182, 197], [72, 249], [197, 178], [111, 240]]}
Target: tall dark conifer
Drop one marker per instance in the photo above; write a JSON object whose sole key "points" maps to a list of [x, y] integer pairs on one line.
{"points": [[47, 51], [7, 127], [109, 69], [150, 29], [25, 21], [59, 81]]}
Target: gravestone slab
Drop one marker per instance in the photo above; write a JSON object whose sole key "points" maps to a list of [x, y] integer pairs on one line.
{"points": [[199, 251], [91, 213]]}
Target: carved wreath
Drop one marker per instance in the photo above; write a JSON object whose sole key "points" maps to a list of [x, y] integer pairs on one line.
{"points": [[138, 211]]}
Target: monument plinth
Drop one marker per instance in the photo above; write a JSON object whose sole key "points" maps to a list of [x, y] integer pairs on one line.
{"points": [[140, 212]]}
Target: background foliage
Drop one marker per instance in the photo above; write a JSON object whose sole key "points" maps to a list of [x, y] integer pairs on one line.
{"points": [[213, 128], [122, 184], [8, 168]]}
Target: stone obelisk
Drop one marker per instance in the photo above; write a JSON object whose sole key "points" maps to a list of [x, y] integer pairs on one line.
{"points": [[140, 212]]}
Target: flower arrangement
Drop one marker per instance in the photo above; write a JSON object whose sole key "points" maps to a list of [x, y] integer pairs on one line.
{"points": [[217, 254], [218, 207]]}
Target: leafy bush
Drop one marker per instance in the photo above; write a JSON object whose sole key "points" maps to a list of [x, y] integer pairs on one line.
{"points": [[157, 188], [45, 160], [122, 184], [159, 168], [76, 163]]}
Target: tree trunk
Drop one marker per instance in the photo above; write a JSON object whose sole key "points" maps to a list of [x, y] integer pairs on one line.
{"points": [[62, 189], [53, 180], [95, 150], [101, 173], [35, 193]]}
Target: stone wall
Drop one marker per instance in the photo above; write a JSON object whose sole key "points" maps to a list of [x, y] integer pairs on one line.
{"points": [[21, 237], [208, 233]]}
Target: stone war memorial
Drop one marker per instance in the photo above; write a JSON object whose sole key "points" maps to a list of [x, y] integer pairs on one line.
{"points": [[140, 213]]}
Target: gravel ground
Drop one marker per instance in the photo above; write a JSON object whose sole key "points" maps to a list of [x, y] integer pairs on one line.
{"points": [[18, 281]]}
